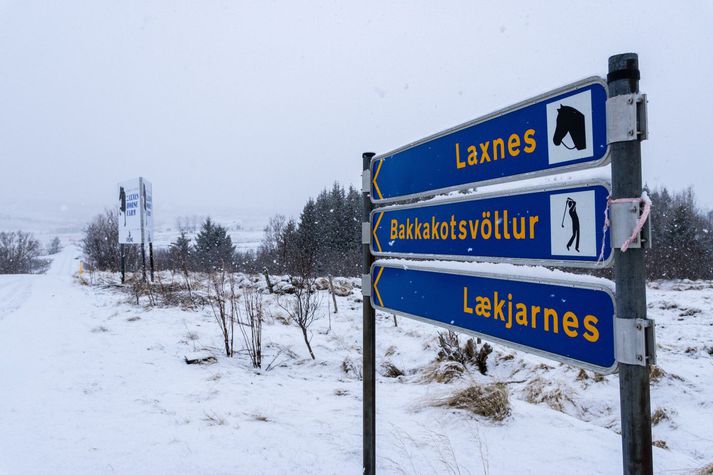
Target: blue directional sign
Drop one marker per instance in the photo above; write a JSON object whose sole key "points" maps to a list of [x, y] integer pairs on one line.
{"points": [[561, 225], [572, 323], [559, 131]]}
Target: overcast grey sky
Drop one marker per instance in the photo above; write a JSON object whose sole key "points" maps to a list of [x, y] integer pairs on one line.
{"points": [[260, 104]]}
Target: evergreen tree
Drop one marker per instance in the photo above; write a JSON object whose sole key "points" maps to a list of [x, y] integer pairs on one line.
{"points": [[181, 253], [214, 248], [682, 243]]}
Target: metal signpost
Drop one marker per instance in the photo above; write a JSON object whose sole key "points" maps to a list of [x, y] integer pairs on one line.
{"points": [[562, 226], [560, 131], [581, 125], [627, 127]]}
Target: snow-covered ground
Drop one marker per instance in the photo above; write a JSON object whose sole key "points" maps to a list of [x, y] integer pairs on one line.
{"points": [[93, 383]]}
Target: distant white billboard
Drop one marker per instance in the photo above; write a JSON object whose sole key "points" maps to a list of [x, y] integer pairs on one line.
{"points": [[135, 211]]}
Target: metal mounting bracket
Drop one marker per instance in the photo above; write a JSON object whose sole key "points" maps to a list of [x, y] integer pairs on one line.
{"points": [[635, 341], [366, 285], [627, 118], [366, 181], [623, 218], [366, 233]]}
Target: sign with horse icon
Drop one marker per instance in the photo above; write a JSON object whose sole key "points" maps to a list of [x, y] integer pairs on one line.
{"points": [[556, 132]]}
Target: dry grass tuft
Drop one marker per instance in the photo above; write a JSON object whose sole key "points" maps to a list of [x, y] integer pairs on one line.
{"points": [[659, 416], [489, 401], [582, 375], [656, 373], [391, 371], [705, 470], [539, 391], [443, 371], [214, 419], [661, 444], [351, 369]]}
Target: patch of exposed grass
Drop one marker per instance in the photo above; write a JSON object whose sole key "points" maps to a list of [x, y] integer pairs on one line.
{"points": [[214, 419], [539, 391], [391, 370], [659, 416], [351, 369], [705, 470], [443, 371], [490, 400], [661, 444]]}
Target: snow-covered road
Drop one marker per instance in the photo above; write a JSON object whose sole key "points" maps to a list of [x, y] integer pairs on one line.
{"points": [[90, 383]]}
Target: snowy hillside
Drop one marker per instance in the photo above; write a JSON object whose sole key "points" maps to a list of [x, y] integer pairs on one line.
{"points": [[93, 383]]}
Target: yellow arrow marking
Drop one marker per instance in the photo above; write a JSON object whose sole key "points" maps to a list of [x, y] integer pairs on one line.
{"points": [[376, 175], [373, 231], [376, 290]]}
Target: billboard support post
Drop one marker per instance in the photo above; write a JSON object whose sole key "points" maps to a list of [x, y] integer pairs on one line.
{"points": [[630, 275], [151, 259], [122, 252], [369, 332], [143, 261]]}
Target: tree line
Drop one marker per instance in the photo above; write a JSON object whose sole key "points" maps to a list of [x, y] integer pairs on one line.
{"points": [[326, 239], [682, 237]]}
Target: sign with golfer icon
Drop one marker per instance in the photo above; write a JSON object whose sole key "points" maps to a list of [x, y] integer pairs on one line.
{"points": [[573, 218], [555, 225]]}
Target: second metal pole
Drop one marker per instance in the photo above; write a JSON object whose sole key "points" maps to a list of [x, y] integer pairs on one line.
{"points": [[369, 343], [151, 259]]}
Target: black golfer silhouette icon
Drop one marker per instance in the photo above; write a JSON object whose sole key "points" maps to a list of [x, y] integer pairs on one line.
{"points": [[122, 202], [571, 205], [570, 120]]}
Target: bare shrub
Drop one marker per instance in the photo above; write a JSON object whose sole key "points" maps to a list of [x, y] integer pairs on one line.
{"points": [[100, 243], [251, 324], [302, 306], [54, 246], [490, 400], [19, 254], [224, 307], [140, 288], [450, 350]]}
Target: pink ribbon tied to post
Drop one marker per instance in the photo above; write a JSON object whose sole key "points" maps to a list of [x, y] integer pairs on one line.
{"points": [[639, 223]]}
